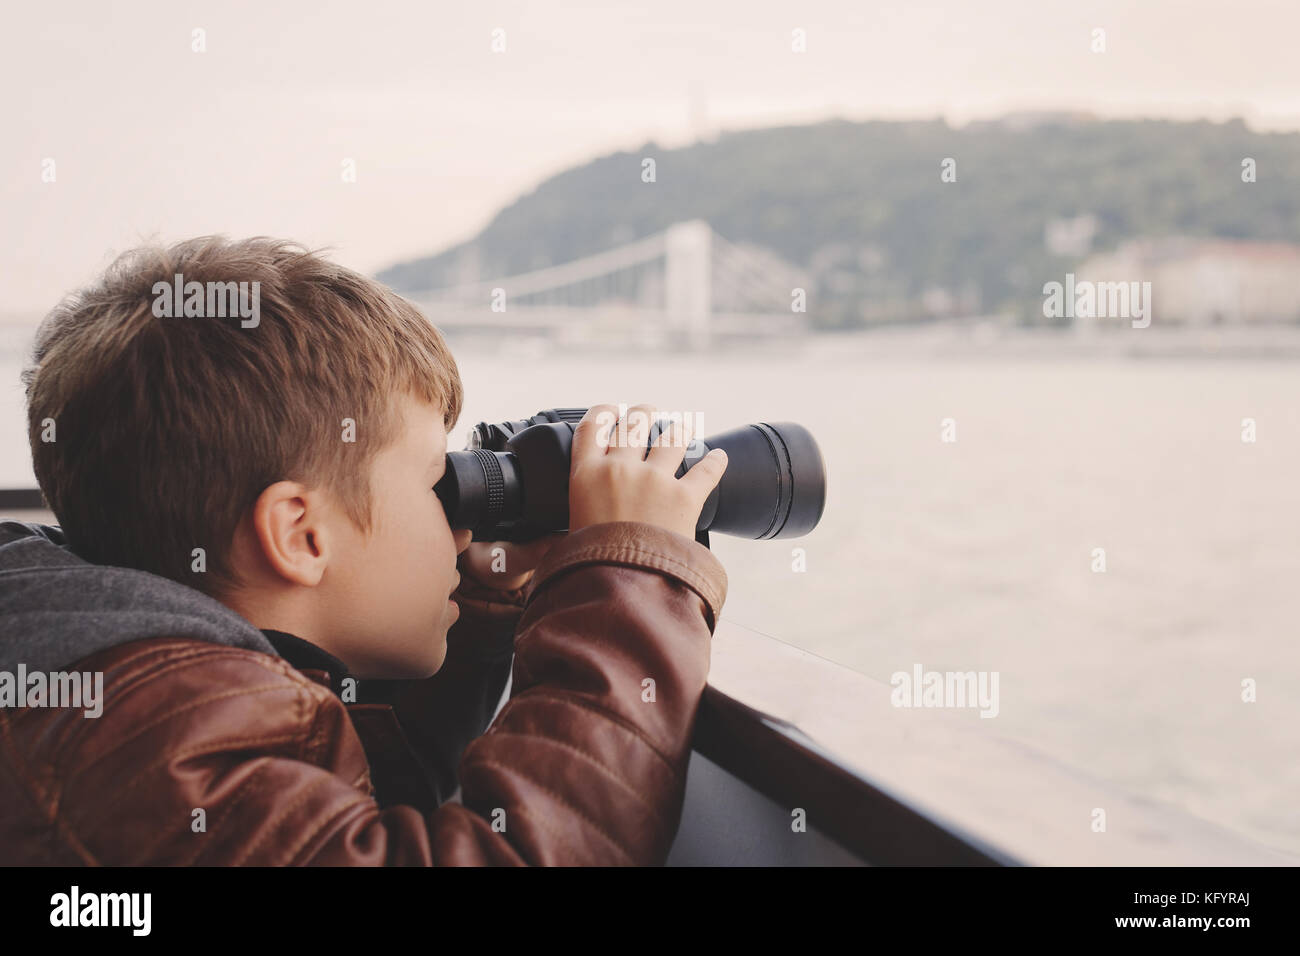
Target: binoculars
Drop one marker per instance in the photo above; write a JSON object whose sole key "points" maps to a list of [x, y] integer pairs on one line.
{"points": [[512, 483]]}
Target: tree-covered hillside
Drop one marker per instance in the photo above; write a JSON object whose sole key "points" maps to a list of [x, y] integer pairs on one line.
{"points": [[863, 208]]}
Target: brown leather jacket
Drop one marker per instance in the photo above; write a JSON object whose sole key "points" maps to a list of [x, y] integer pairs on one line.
{"points": [[585, 763]]}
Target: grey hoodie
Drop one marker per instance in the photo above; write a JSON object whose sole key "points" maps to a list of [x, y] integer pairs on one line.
{"points": [[57, 608]]}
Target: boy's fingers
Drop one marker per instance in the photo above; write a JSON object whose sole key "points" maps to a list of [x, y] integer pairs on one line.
{"points": [[706, 473], [532, 552], [483, 560], [588, 435], [669, 448], [635, 434]]}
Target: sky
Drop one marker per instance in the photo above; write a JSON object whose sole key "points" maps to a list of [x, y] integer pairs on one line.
{"points": [[151, 139]]}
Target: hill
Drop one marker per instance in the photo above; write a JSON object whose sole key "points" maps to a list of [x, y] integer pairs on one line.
{"points": [[863, 208]]}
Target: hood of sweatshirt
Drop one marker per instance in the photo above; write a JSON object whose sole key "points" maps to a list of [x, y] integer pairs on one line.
{"points": [[57, 608]]}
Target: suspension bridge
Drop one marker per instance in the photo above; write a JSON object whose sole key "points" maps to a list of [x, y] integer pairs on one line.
{"points": [[684, 287]]}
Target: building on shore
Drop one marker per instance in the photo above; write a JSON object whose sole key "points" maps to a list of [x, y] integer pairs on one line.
{"points": [[1202, 282]]}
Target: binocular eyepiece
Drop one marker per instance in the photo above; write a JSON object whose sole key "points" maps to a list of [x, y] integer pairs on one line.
{"points": [[512, 483]]}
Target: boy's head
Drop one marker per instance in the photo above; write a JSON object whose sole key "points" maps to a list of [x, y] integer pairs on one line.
{"points": [[284, 465]]}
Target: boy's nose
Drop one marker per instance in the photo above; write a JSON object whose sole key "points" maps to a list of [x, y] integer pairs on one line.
{"points": [[462, 538]]}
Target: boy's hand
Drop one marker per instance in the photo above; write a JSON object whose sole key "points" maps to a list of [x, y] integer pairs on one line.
{"points": [[613, 481], [511, 568]]}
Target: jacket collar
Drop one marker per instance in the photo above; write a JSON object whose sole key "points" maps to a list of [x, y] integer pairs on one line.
{"points": [[324, 668], [307, 657]]}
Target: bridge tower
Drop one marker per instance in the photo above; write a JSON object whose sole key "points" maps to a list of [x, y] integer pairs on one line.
{"points": [[688, 281]]}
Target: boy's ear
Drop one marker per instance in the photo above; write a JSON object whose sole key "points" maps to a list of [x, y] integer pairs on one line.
{"points": [[289, 522]]}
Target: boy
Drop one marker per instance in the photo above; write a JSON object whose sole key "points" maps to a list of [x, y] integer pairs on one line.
{"points": [[251, 556]]}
